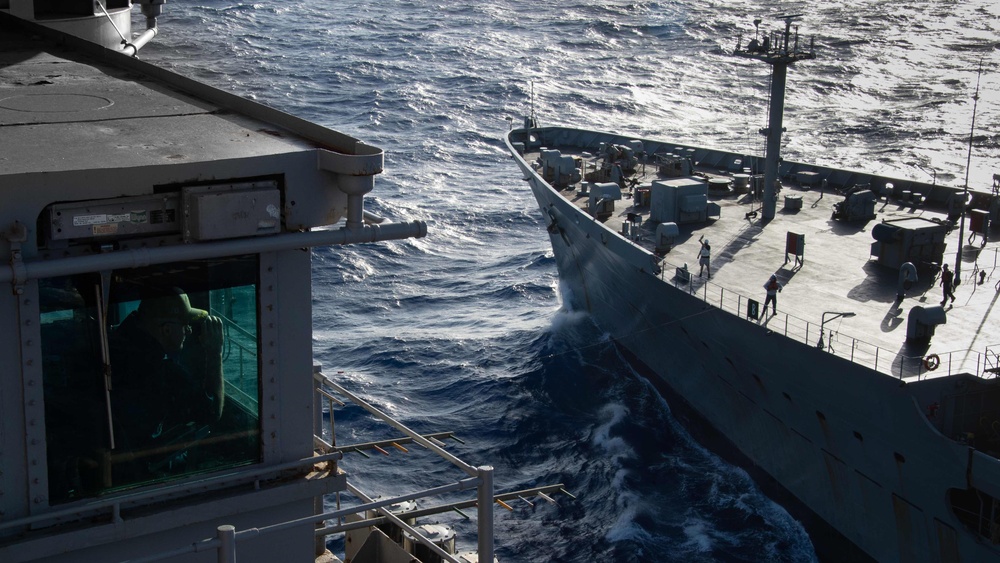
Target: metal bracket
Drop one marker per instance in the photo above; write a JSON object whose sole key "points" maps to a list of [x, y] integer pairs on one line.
{"points": [[17, 234]]}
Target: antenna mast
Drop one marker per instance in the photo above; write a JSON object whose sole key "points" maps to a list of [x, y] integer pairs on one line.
{"points": [[532, 101], [778, 50], [965, 191], [529, 122]]}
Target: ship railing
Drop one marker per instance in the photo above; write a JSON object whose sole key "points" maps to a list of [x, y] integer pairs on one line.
{"points": [[904, 367], [326, 451], [240, 378], [479, 478], [113, 506]]}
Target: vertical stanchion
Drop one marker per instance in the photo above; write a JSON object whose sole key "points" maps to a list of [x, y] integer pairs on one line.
{"points": [[485, 499], [318, 402], [227, 545]]}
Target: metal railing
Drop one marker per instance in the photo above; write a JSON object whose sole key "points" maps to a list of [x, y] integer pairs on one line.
{"points": [[113, 506], [227, 537], [844, 346], [241, 375], [479, 478], [249, 478]]}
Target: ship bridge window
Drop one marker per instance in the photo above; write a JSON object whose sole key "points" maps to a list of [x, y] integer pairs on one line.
{"points": [[150, 374]]}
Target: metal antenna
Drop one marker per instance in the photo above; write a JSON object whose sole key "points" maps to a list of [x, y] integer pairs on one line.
{"points": [[532, 98], [778, 51], [965, 191]]}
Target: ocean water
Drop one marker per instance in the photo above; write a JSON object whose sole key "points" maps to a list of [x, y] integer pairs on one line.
{"points": [[464, 330]]}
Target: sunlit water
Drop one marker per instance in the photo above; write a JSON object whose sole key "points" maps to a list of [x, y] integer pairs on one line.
{"points": [[463, 330]]}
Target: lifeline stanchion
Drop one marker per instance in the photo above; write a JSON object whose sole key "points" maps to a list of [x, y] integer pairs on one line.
{"points": [[227, 543]]}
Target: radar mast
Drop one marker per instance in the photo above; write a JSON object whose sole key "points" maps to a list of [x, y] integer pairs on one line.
{"points": [[778, 50]]}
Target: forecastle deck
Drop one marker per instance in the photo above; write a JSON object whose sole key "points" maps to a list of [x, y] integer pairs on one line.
{"points": [[850, 427], [835, 273]]}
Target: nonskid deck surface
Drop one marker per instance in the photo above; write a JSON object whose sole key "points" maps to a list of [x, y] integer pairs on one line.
{"points": [[837, 275], [119, 124]]}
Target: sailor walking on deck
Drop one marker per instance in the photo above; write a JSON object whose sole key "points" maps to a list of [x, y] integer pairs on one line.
{"points": [[773, 287], [704, 257], [947, 284]]}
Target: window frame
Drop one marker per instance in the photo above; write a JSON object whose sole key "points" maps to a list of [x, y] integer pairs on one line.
{"points": [[36, 415]]}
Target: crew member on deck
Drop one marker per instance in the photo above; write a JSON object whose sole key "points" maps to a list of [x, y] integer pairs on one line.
{"points": [[773, 287], [947, 284], [704, 257]]}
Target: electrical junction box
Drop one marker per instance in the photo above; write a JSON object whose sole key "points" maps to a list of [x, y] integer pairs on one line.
{"points": [[116, 218], [231, 211]]}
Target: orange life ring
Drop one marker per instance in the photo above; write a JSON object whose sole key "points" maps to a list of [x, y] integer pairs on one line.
{"points": [[932, 362]]}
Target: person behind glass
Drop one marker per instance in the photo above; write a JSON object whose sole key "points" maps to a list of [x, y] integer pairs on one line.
{"points": [[704, 257], [773, 287], [166, 373]]}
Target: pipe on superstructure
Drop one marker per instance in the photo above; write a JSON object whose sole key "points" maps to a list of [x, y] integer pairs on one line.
{"points": [[139, 257], [356, 187], [373, 219], [152, 10], [132, 48]]}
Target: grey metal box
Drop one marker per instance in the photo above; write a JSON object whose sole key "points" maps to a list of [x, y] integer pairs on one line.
{"points": [[114, 219], [230, 211]]}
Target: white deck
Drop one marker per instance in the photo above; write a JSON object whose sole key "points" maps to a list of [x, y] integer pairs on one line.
{"points": [[837, 275]]}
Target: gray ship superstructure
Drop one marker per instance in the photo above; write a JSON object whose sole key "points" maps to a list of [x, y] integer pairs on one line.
{"points": [[158, 390], [864, 402]]}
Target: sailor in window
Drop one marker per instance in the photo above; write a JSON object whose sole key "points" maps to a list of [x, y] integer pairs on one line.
{"points": [[167, 385]]}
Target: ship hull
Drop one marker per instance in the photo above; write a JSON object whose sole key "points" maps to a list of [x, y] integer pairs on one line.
{"points": [[844, 448]]}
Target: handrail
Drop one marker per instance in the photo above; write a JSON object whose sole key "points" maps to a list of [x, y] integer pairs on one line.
{"points": [[859, 351], [168, 492], [255, 532], [483, 475], [480, 477], [472, 471]]}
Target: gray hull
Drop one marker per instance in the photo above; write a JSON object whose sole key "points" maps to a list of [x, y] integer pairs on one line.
{"points": [[850, 445]]}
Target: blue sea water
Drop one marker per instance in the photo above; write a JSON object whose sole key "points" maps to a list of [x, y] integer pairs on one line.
{"points": [[464, 330]]}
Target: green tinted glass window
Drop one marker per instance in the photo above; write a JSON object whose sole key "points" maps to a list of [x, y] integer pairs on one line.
{"points": [[151, 374]]}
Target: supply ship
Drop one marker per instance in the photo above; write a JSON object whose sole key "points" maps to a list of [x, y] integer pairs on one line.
{"points": [[865, 397], [159, 395]]}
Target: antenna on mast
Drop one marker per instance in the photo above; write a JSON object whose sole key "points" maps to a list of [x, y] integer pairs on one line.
{"points": [[965, 190], [780, 50], [532, 101], [529, 122]]}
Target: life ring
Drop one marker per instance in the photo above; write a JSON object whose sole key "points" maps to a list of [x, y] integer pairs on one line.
{"points": [[932, 362]]}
